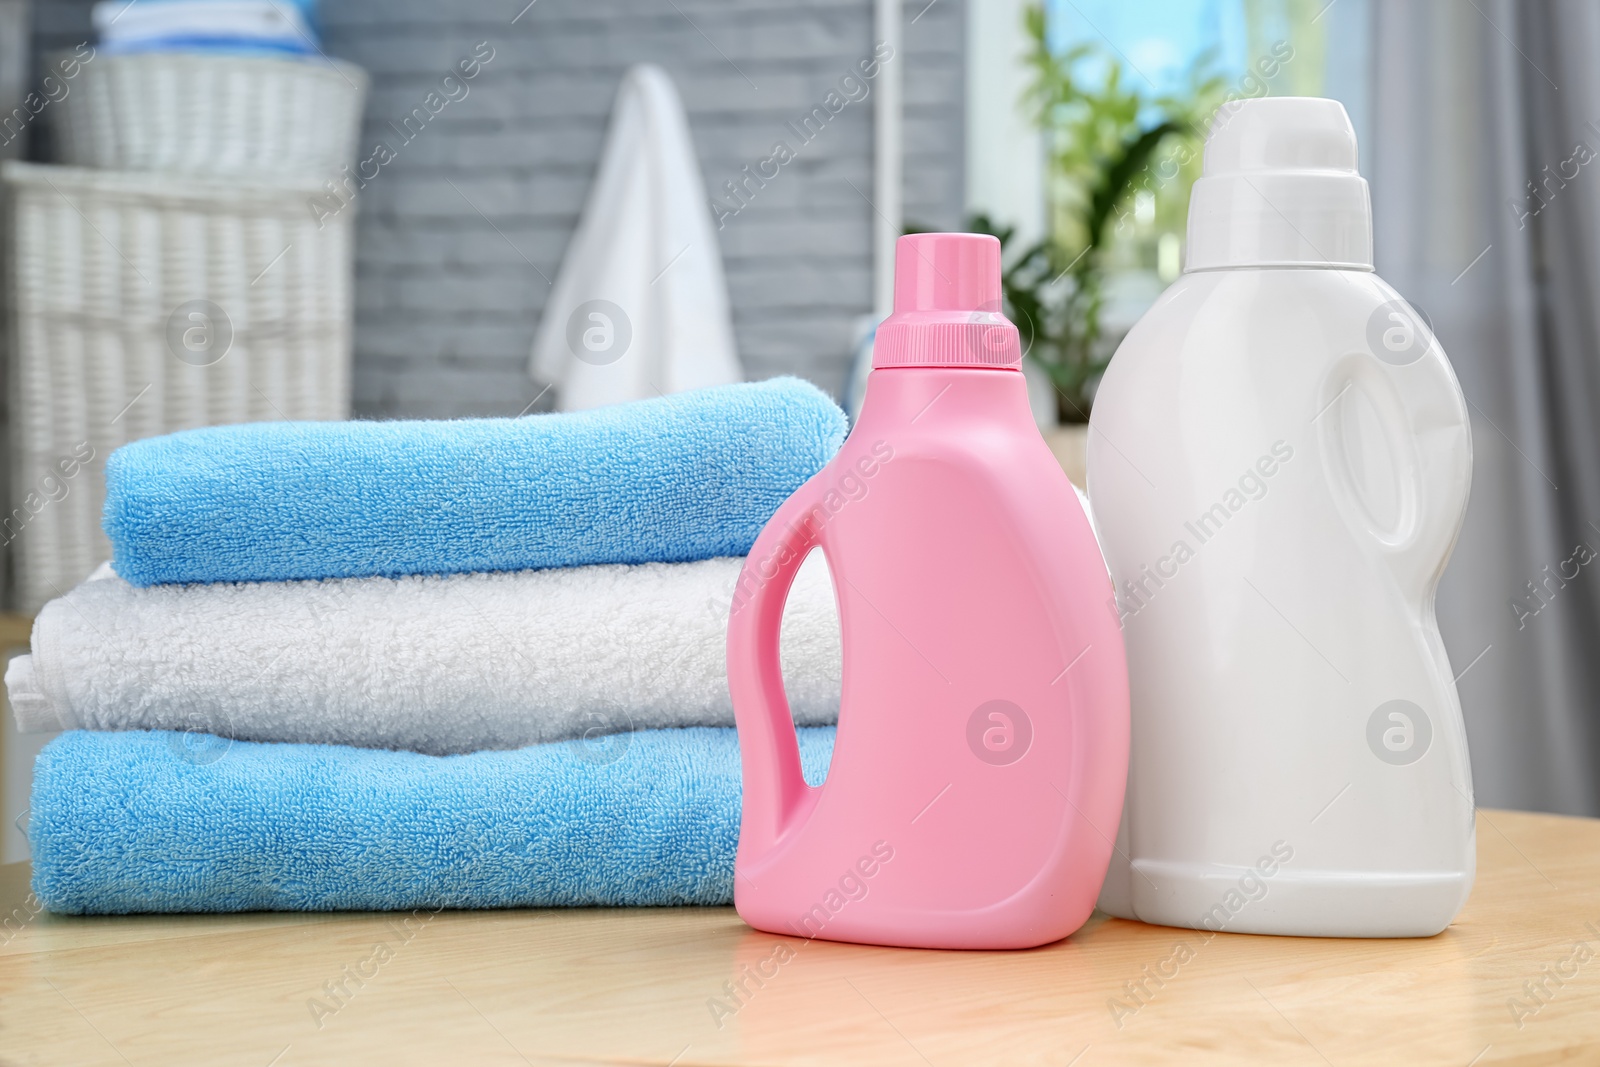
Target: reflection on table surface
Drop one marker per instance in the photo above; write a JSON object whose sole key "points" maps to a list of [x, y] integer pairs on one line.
{"points": [[1510, 982]]}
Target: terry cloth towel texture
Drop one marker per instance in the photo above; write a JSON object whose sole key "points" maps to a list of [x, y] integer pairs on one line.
{"points": [[436, 664], [676, 478], [173, 822]]}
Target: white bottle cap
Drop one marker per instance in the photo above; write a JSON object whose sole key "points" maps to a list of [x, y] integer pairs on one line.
{"points": [[1280, 189]]}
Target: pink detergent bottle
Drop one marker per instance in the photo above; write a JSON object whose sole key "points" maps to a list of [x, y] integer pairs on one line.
{"points": [[978, 771]]}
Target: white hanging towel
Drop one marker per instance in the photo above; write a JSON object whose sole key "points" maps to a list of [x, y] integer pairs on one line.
{"points": [[641, 305]]}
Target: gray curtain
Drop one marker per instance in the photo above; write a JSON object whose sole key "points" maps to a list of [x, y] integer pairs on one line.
{"points": [[1473, 101]]}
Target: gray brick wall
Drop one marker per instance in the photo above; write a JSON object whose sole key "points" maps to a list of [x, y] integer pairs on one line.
{"points": [[457, 235]]}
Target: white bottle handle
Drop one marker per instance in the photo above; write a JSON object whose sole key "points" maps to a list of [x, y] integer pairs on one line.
{"points": [[1424, 420]]}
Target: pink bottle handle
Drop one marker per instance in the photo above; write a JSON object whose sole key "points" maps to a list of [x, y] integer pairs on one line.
{"points": [[775, 791]]}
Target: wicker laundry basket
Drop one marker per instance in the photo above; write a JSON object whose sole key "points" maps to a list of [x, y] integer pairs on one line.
{"points": [[258, 116], [145, 303]]}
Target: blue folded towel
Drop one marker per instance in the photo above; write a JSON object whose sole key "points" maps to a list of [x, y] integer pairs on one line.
{"points": [[175, 822], [682, 477]]}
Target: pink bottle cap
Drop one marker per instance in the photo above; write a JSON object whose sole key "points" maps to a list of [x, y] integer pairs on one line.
{"points": [[947, 305]]}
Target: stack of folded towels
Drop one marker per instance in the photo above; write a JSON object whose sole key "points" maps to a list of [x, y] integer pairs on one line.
{"points": [[401, 665]]}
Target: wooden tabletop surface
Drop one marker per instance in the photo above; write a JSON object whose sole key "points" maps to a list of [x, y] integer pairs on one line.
{"points": [[1515, 980]]}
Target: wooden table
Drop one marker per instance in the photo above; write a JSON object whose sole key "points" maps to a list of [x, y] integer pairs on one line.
{"points": [[648, 986]]}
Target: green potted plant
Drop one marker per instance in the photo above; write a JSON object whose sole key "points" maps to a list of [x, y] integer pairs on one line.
{"points": [[1110, 145]]}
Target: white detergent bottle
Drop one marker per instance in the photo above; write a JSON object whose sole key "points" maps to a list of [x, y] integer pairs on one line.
{"points": [[1279, 460]]}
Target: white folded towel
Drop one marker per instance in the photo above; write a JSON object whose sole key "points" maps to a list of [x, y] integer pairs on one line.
{"points": [[435, 664]]}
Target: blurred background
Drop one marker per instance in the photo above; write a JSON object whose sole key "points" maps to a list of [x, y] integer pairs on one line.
{"points": [[227, 210]]}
